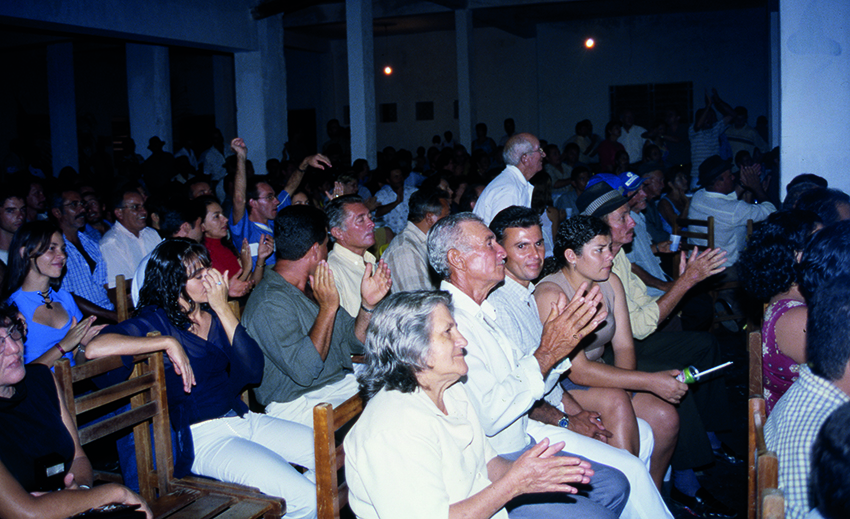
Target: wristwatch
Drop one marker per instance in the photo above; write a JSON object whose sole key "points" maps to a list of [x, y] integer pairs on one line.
{"points": [[564, 422]]}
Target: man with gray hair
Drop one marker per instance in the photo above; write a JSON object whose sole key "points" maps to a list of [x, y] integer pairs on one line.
{"points": [[523, 158], [503, 384], [407, 254], [353, 232]]}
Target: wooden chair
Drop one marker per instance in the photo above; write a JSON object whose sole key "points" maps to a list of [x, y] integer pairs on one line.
{"points": [[122, 297], [764, 498], [168, 497], [755, 350], [690, 223], [331, 496]]}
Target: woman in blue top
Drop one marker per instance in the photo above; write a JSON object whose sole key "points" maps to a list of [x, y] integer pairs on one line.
{"points": [[55, 326], [206, 346]]}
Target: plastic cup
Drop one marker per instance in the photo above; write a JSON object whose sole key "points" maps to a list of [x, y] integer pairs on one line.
{"points": [[674, 242]]}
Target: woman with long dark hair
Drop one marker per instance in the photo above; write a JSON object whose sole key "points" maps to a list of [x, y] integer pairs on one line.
{"points": [[55, 326], [186, 302]]}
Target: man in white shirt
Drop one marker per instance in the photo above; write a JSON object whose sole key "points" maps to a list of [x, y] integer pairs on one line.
{"points": [[130, 239], [523, 158], [502, 383], [719, 199], [518, 230]]}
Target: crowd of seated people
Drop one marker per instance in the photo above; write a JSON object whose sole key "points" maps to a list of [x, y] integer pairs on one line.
{"points": [[428, 265]]}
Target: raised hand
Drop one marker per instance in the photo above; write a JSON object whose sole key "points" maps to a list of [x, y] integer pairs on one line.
{"points": [[375, 284], [318, 161], [701, 265], [239, 148], [324, 288], [565, 328]]}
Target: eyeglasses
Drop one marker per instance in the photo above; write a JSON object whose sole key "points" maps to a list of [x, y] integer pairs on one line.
{"points": [[538, 150], [15, 334], [268, 198], [134, 207]]}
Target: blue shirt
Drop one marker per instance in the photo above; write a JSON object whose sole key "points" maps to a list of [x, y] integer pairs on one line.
{"points": [[41, 337], [79, 279], [221, 371], [254, 231]]}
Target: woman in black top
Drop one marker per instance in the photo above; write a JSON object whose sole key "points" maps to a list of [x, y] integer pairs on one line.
{"points": [[38, 439]]}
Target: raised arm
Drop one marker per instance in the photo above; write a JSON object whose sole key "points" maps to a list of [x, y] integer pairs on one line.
{"points": [[318, 161], [376, 284], [698, 267], [240, 183]]}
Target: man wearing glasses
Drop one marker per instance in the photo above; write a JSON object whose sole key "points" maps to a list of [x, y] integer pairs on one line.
{"points": [[130, 239], [255, 204], [523, 159]]}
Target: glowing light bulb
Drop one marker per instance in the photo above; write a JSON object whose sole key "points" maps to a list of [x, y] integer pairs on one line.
{"points": [[589, 43], [388, 70]]}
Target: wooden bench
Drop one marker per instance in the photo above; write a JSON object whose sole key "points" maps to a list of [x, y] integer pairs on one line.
{"points": [[765, 500], [190, 497], [331, 495]]}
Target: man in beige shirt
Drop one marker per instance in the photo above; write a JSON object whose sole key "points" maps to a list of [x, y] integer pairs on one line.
{"points": [[352, 231]]}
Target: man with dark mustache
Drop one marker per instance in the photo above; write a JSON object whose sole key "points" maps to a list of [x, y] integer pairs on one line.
{"points": [[85, 275]]}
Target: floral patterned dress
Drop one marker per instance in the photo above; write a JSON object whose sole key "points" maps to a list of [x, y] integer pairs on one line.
{"points": [[778, 370]]}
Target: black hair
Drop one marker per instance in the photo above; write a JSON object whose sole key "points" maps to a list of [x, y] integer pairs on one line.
{"points": [[423, 202], [297, 228], [174, 215], [826, 256], [117, 199], [513, 217], [828, 329], [829, 490], [824, 202], [576, 232], [166, 275], [768, 264], [34, 239], [252, 189]]}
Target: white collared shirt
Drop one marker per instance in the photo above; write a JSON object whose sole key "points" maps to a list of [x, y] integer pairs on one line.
{"points": [[509, 188]]}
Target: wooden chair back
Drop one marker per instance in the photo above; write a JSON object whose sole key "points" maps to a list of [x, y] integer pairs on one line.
{"points": [[122, 301], [690, 223], [754, 347], [146, 391], [764, 498], [148, 412], [331, 496]]}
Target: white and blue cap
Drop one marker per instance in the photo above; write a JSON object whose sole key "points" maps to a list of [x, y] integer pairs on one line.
{"points": [[624, 183]]}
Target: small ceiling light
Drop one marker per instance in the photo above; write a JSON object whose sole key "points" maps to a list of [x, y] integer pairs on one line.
{"points": [[589, 43], [388, 70]]}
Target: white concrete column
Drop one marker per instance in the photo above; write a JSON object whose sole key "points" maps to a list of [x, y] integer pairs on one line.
{"points": [[815, 91], [149, 95], [465, 111], [361, 80], [61, 93], [224, 108], [261, 94]]}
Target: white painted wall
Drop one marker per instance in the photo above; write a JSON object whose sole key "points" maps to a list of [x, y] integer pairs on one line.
{"points": [[815, 85]]}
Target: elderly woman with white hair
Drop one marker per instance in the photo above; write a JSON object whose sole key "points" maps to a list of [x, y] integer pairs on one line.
{"points": [[418, 450]]}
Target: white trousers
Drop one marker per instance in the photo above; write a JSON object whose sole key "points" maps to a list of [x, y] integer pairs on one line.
{"points": [[255, 450], [300, 410], [645, 501]]}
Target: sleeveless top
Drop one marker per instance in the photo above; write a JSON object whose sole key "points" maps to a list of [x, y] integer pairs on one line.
{"points": [[593, 344], [664, 223], [779, 371], [41, 337]]}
